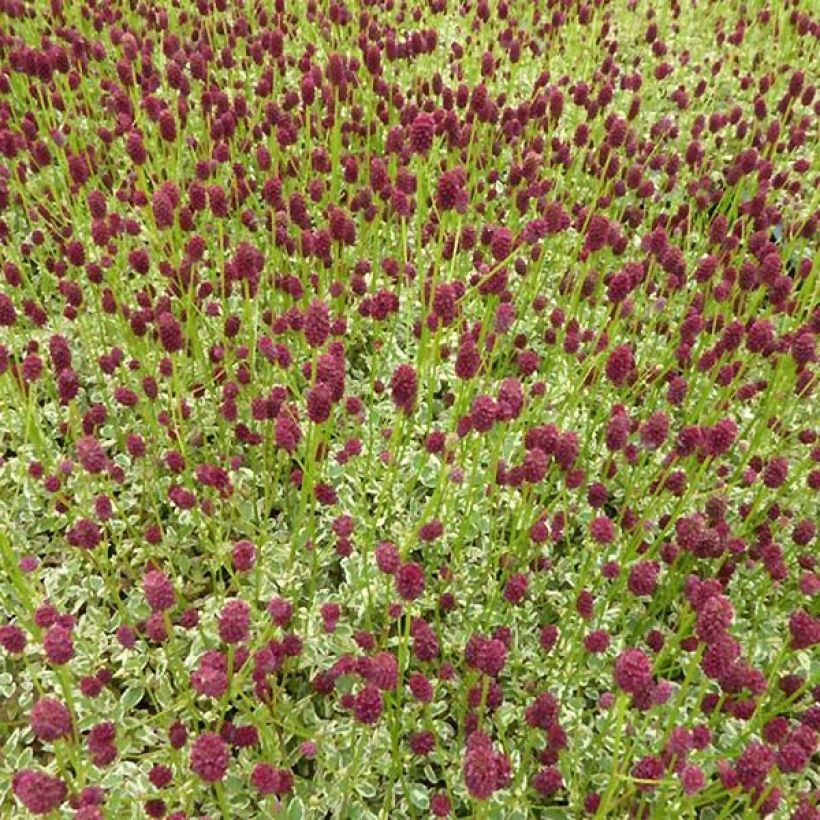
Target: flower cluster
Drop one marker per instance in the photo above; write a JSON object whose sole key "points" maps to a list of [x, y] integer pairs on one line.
{"points": [[409, 409]]}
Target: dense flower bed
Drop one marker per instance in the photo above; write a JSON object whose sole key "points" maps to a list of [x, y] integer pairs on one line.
{"points": [[409, 409]]}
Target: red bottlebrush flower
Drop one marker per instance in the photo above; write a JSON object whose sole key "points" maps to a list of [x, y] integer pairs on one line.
{"points": [[39, 792], [620, 365], [234, 621], [316, 325], [421, 688], [445, 303], [388, 558], [584, 604], [330, 615], [776, 472], [483, 413], [288, 434], [804, 629], [403, 386], [422, 132], [167, 126], [409, 579], [8, 315], [440, 805], [714, 618], [383, 671], [268, 779], [543, 713], [803, 349], [792, 757], [597, 641], [431, 530], [170, 333], [209, 757], [91, 454], [319, 403], [126, 637], [548, 781], [617, 431], [325, 494], [155, 628], [633, 671], [160, 776], [718, 439], [163, 209], [548, 637], [643, 578], [68, 385], [50, 719], [85, 534], [336, 69], [654, 430], [177, 735], [158, 590], [602, 530], [425, 643], [753, 765], [516, 588], [450, 191], [501, 244], [422, 743], [368, 705], [100, 743], [485, 770], [649, 769], [243, 556], [804, 532], [719, 656], [12, 639], [468, 360], [491, 656], [139, 260]]}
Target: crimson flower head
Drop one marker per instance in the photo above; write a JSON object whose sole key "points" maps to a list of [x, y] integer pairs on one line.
{"points": [[409, 580], [50, 719], [39, 792], [209, 757], [422, 132], [633, 671], [404, 385], [316, 326], [158, 590], [234, 621]]}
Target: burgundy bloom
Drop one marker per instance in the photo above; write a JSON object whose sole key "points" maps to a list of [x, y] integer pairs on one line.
{"points": [[158, 590], [409, 581], [209, 757], [403, 386], [485, 770], [234, 621], [602, 530], [58, 645], [316, 326], [633, 671], [422, 132], [91, 454], [368, 705], [388, 558], [39, 792], [620, 364], [319, 403], [650, 770], [268, 779], [50, 719]]}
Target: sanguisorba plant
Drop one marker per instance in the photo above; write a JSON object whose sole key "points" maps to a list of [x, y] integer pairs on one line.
{"points": [[409, 408]]}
